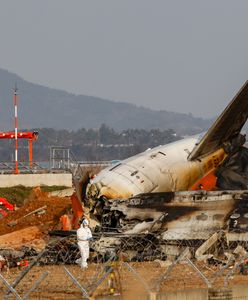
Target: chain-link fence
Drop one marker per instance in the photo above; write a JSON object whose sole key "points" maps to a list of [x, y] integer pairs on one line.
{"points": [[136, 268]]}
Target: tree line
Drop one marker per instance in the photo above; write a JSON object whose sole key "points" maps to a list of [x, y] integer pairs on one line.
{"points": [[102, 143]]}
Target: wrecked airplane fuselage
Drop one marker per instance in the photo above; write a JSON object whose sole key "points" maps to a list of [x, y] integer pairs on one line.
{"points": [[166, 223], [188, 164], [164, 190], [162, 169], [181, 215]]}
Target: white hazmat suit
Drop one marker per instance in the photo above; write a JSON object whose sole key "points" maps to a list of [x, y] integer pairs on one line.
{"points": [[83, 236]]}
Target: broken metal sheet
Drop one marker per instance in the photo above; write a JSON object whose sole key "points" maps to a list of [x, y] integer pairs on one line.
{"points": [[240, 251], [200, 253]]}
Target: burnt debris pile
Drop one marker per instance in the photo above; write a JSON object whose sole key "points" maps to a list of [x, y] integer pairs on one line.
{"points": [[233, 173]]}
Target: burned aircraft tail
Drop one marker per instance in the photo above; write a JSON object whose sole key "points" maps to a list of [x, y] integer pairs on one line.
{"points": [[226, 128]]}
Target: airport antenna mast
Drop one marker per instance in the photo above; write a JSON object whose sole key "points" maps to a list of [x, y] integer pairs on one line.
{"points": [[16, 130]]}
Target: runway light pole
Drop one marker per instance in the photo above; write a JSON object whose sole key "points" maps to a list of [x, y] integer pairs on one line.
{"points": [[16, 130]]}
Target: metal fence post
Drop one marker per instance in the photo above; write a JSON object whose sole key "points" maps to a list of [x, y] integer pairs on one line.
{"points": [[11, 289], [199, 272], [83, 290], [25, 272], [171, 267], [36, 284], [137, 275]]}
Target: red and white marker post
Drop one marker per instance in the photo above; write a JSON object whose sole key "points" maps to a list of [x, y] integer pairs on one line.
{"points": [[16, 131]]}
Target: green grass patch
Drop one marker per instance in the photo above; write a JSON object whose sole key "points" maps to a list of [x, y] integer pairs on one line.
{"points": [[15, 195], [18, 194], [46, 188]]}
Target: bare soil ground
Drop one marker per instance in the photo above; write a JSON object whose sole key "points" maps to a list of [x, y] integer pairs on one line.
{"points": [[39, 224], [58, 285]]}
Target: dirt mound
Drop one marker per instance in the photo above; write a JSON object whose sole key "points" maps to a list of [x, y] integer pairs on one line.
{"points": [[45, 219], [30, 237]]}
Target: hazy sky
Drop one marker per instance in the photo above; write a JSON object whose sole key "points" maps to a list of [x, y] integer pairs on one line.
{"points": [[184, 56]]}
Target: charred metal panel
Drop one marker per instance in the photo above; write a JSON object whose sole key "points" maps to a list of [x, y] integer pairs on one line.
{"points": [[180, 215], [233, 173], [238, 218]]}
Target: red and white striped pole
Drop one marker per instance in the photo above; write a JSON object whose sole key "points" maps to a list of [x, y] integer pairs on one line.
{"points": [[16, 130]]}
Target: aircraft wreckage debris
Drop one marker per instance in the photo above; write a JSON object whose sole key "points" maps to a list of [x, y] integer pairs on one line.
{"points": [[142, 228], [38, 211], [152, 207]]}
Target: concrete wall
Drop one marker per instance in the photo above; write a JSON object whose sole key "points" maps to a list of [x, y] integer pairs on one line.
{"points": [[240, 292], [195, 294], [32, 180]]}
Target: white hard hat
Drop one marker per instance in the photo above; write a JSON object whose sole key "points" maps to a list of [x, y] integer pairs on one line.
{"points": [[85, 222]]}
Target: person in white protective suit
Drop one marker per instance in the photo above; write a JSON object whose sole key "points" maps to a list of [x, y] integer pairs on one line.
{"points": [[84, 235]]}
